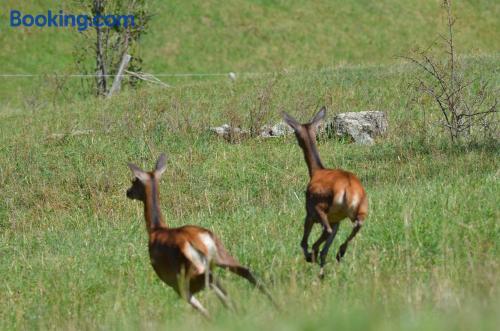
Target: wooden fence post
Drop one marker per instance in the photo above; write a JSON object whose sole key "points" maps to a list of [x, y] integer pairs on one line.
{"points": [[119, 75]]}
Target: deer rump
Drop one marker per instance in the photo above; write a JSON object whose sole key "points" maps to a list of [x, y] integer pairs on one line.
{"points": [[187, 254]]}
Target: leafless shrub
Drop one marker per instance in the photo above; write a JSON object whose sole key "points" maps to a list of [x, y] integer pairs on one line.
{"points": [[246, 114], [261, 110], [105, 46], [464, 103]]}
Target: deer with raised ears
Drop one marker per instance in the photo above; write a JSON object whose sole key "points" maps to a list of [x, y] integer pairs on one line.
{"points": [[183, 257], [331, 196]]}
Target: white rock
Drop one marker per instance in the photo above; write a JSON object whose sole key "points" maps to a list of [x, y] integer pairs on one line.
{"points": [[229, 133], [362, 126], [277, 130]]}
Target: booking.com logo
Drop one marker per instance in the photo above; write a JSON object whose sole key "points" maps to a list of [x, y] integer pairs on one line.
{"points": [[82, 22]]}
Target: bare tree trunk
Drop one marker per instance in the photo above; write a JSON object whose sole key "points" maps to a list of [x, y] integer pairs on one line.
{"points": [[98, 9]]}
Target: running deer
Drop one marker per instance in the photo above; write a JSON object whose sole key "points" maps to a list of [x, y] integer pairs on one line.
{"points": [[331, 195], [183, 257]]}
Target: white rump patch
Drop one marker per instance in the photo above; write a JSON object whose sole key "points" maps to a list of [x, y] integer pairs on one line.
{"points": [[339, 198], [207, 239], [196, 257], [355, 201]]}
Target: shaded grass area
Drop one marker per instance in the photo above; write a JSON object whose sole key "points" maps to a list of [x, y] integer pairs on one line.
{"points": [[73, 248]]}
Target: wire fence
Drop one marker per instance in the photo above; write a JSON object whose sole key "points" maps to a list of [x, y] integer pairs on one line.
{"points": [[155, 78], [228, 74], [386, 69]]}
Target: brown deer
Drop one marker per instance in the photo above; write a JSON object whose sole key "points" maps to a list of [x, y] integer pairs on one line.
{"points": [[183, 257], [331, 195]]}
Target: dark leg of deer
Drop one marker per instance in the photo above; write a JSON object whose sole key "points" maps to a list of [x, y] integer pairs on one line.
{"points": [[323, 217], [308, 223], [343, 247], [326, 247], [317, 244]]}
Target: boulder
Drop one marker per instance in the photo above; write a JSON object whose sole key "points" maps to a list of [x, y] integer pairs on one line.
{"points": [[362, 127], [277, 130]]}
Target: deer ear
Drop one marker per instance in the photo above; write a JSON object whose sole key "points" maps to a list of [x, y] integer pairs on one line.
{"points": [[292, 122], [139, 173], [319, 116], [161, 165]]}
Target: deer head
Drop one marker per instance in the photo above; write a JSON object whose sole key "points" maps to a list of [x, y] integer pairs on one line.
{"points": [[307, 131], [306, 137], [145, 180]]}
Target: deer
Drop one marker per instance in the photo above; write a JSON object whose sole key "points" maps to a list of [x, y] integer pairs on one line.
{"points": [[331, 195], [184, 257]]}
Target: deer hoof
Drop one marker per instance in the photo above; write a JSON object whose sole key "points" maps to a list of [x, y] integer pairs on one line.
{"points": [[341, 252], [309, 257]]}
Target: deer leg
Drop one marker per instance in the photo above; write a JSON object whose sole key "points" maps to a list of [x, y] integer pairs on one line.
{"points": [[326, 247], [221, 293], [198, 306], [207, 272], [184, 291], [308, 223], [323, 217], [317, 244], [357, 226]]}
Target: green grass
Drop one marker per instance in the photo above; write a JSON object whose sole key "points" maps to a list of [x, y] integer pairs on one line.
{"points": [[73, 249], [250, 36]]}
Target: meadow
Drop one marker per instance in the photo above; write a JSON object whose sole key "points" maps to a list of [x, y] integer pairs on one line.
{"points": [[73, 249]]}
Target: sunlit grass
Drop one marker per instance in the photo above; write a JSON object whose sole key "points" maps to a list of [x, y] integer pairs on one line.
{"points": [[74, 250]]}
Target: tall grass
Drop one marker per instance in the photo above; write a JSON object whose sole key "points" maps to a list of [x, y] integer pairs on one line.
{"points": [[73, 250]]}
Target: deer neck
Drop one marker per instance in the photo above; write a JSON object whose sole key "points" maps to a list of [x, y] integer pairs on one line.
{"points": [[311, 155], [152, 211]]}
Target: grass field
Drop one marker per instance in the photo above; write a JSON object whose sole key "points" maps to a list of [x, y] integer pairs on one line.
{"points": [[73, 249]]}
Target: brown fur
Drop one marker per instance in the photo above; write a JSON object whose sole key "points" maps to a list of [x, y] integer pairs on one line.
{"points": [[331, 196], [176, 253]]}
